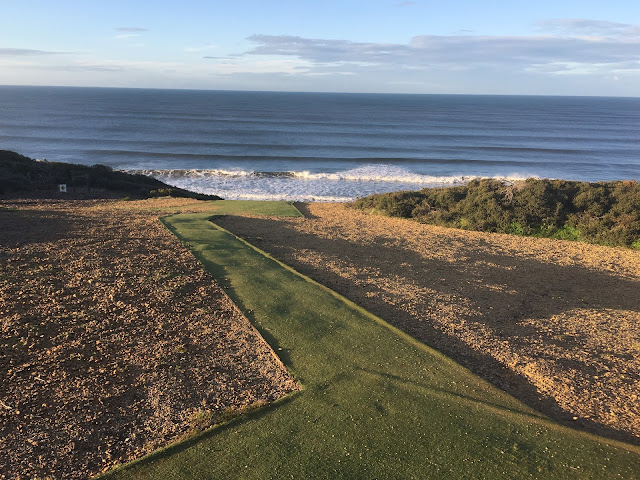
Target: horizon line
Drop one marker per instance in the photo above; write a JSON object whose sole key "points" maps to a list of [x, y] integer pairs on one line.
{"points": [[320, 91]]}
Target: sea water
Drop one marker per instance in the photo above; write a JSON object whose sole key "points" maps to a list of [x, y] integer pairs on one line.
{"points": [[323, 146]]}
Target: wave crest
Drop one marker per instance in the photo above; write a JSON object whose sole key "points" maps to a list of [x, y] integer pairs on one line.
{"points": [[341, 186], [377, 173]]}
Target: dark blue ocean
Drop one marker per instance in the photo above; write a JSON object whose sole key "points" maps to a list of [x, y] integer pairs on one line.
{"points": [[323, 146]]}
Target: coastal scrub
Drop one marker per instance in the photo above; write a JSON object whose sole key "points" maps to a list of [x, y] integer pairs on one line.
{"points": [[606, 213]]}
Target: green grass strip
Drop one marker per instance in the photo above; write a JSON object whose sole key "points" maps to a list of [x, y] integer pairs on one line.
{"points": [[375, 403], [249, 207], [246, 207]]}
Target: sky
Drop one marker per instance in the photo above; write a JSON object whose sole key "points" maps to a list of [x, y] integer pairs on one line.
{"points": [[559, 47]]}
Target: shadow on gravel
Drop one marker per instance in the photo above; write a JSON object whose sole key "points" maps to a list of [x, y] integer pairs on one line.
{"points": [[536, 290], [303, 208], [22, 227]]}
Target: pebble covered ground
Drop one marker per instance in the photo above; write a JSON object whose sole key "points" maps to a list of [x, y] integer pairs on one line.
{"points": [[554, 323], [113, 340]]}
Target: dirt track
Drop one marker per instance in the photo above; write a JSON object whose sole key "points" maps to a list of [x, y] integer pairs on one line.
{"points": [[555, 323], [113, 340]]}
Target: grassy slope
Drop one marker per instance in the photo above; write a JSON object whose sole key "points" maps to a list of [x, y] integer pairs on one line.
{"points": [[375, 404]]}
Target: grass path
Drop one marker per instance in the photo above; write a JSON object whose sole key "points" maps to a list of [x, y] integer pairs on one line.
{"points": [[375, 403]]}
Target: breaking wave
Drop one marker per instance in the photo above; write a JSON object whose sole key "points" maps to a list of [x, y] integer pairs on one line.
{"points": [[339, 186]]}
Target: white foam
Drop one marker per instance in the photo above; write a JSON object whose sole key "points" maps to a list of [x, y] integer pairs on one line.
{"points": [[283, 196], [379, 173], [193, 172], [304, 185]]}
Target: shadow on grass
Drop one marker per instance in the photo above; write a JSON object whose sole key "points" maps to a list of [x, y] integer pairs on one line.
{"points": [[534, 290], [219, 272], [339, 416], [245, 416], [446, 393]]}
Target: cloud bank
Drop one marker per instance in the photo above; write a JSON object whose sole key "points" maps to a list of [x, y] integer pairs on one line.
{"points": [[586, 46], [562, 57], [26, 52]]}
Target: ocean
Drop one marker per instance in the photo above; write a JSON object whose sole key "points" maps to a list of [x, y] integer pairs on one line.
{"points": [[323, 146]]}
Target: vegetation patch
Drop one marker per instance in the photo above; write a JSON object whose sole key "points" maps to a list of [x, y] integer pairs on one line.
{"points": [[250, 207], [23, 175], [607, 213]]}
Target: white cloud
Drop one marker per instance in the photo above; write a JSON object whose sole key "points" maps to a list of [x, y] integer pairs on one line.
{"points": [[234, 65], [132, 29], [202, 48], [585, 28], [567, 56], [89, 67], [130, 32], [456, 52], [26, 52]]}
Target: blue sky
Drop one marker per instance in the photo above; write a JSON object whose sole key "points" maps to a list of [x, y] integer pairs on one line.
{"points": [[560, 47]]}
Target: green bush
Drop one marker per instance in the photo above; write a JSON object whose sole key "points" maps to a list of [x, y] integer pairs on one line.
{"points": [[515, 228], [567, 232], [606, 212]]}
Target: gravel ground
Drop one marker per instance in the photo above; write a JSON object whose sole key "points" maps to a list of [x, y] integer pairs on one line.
{"points": [[554, 323], [113, 340]]}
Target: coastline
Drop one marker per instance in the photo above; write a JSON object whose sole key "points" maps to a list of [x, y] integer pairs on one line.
{"points": [[297, 146]]}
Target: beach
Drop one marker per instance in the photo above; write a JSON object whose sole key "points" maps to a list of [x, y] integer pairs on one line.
{"points": [[554, 323]]}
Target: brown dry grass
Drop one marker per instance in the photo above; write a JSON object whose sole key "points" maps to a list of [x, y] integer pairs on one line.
{"points": [[555, 323], [113, 338]]}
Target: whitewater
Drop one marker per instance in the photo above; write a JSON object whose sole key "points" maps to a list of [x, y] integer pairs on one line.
{"points": [[305, 186]]}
